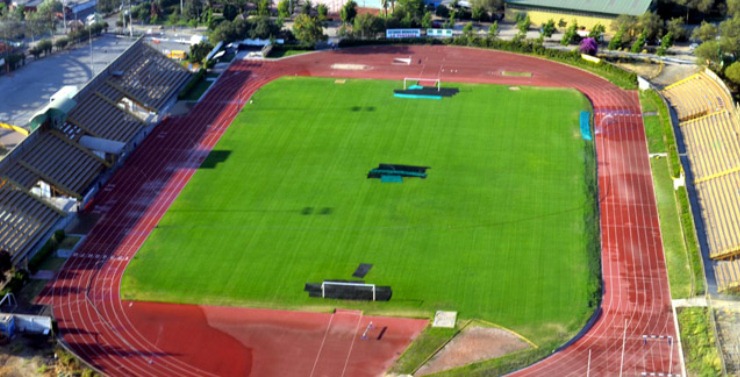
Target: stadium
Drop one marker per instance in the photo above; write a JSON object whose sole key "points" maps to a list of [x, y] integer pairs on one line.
{"points": [[485, 193]]}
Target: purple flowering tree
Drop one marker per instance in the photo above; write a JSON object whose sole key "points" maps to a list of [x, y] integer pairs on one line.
{"points": [[589, 46]]}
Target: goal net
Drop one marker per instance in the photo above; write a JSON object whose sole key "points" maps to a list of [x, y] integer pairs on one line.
{"points": [[416, 81], [339, 289]]}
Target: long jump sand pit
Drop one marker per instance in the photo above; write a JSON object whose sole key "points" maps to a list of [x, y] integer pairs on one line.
{"points": [[350, 67], [472, 345]]}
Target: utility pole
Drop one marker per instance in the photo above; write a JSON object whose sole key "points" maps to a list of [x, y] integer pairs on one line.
{"points": [[64, 14], [92, 61], [130, 21]]}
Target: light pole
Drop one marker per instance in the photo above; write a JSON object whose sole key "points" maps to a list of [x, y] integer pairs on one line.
{"points": [[92, 61], [64, 15]]}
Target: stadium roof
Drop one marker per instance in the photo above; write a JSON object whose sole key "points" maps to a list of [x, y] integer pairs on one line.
{"points": [[610, 7]]}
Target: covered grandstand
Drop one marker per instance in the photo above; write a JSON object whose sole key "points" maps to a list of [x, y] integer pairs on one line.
{"points": [[77, 138], [709, 124], [586, 12]]}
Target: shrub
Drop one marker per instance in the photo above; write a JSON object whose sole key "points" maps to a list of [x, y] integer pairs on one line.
{"points": [[194, 81], [49, 247]]}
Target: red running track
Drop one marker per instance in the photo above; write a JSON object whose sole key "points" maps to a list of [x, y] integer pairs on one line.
{"points": [[125, 338]]}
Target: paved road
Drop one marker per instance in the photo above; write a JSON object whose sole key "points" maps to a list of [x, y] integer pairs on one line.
{"points": [[28, 89]]}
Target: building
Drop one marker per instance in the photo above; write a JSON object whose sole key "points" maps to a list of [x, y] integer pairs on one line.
{"points": [[586, 12]]}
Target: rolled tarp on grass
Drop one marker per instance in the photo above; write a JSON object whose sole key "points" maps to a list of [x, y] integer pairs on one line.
{"points": [[586, 125]]}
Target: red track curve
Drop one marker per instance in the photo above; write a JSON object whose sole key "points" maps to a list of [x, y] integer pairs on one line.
{"points": [[107, 332]]}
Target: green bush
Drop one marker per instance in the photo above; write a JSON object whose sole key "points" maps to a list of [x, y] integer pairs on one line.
{"points": [[49, 247], [699, 344], [194, 81]]}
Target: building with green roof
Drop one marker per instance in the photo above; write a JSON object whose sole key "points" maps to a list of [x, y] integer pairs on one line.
{"points": [[586, 12]]}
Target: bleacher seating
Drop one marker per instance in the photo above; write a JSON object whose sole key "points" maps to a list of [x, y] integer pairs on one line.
{"points": [[727, 274], [709, 126], [696, 96], [720, 208], [712, 143], [24, 218], [116, 105]]}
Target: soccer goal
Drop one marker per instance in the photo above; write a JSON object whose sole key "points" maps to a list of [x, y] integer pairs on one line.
{"points": [[339, 289], [411, 81]]}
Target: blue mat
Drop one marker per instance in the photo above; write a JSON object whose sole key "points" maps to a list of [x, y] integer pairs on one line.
{"points": [[586, 125], [403, 95], [391, 178]]}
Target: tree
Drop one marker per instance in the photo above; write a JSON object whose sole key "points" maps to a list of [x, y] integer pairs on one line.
{"points": [[639, 43], [665, 43], [629, 25], [426, 21], [570, 35], [705, 32], [493, 30], [61, 43], [198, 52], [263, 27], [676, 27], [549, 28], [708, 53], [699, 5], [307, 30], [283, 9], [35, 51], [490, 6], [307, 7], [414, 9], [597, 32], [589, 46], [730, 36], [733, 72], [733, 8], [230, 12], [263, 7], [6, 264], [348, 12], [651, 25], [365, 25], [477, 12], [616, 41], [323, 12], [384, 4], [523, 24], [442, 11], [467, 30], [45, 46]]}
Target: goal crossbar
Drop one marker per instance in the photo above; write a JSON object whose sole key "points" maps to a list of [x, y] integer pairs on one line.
{"points": [[345, 284], [406, 80]]}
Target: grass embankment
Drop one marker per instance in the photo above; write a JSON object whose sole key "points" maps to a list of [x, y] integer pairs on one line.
{"points": [[676, 224], [699, 343], [495, 232]]}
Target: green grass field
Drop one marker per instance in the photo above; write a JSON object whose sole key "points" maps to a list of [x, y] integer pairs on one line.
{"points": [[500, 230]]}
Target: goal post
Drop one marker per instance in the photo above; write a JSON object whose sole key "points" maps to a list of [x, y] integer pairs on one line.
{"points": [[328, 284], [408, 81]]}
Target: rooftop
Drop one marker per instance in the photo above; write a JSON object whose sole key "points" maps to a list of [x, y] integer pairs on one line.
{"points": [[612, 7]]}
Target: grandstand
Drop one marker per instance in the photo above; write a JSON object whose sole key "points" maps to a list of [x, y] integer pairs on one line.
{"points": [[709, 125], [76, 139], [728, 275]]}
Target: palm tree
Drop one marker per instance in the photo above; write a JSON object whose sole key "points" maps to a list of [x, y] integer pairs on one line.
{"points": [[393, 6], [384, 4]]}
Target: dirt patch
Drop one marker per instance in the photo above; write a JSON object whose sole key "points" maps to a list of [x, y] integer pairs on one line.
{"points": [[473, 344], [23, 357]]}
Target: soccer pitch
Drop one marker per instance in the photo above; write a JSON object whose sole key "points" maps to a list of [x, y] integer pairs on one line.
{"points": [[498, 231]]}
